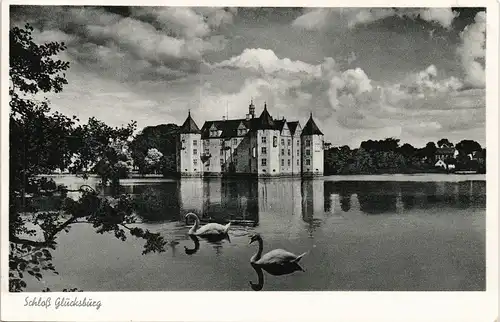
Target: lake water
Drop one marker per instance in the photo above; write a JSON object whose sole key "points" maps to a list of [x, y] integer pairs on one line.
{"points": [[401, 233]]}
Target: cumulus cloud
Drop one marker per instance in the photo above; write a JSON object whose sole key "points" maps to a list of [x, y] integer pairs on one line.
{"points": [[426, 82], [186, 22], [349, 97], [313, 19], [351, 82], [152, 43], [321, 18], [266, 61], [443, 16], [472, 49]]}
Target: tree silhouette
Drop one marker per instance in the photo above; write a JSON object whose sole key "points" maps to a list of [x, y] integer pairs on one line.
{"points": [[42, 141], [444, 143]]}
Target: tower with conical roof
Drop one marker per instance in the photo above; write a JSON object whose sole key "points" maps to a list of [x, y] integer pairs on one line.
{"points": [[267, 145], [312, 149], [189, 149]]}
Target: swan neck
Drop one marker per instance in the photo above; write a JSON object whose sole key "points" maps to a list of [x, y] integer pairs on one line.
{"points": [[259, 252], [196, 222]]}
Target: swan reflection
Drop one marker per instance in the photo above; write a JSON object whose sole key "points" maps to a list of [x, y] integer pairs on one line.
{"points": [[191, 251], [215, 240], [260, 275]]}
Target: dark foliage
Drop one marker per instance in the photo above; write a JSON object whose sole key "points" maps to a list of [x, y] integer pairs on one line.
{"points": [[42, 141], [386, 156], [161, 137]]}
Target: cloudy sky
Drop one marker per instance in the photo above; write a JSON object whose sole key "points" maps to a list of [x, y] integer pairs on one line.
{"points": [[415, 74]]}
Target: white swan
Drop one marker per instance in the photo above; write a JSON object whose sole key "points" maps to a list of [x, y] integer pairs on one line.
{"points": [[207, 230], [277, 261]]}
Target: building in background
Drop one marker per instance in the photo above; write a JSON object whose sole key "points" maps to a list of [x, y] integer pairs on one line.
{"points": [[259, 146]]}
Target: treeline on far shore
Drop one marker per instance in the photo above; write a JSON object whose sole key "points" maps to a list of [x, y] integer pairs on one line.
{"points": [[388, 156]]}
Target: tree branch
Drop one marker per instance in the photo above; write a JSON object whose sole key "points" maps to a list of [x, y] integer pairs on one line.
{"points": [[49, 240], [28, 242]]}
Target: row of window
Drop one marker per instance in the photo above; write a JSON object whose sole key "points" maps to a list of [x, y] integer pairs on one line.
{"points": [[289, 141], [263, 162], [240, 132], [264, 140], [263, 150]]}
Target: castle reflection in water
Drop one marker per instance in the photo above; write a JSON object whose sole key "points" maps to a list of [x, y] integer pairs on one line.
{"points": [[243, 201]]}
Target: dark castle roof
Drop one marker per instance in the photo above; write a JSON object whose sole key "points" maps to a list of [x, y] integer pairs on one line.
{"points": [[292, 126], [229, 128], [279, 124], [265, 121], [311, 128], [189, 126]]}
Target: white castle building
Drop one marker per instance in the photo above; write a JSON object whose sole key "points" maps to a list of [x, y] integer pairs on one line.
{"points": [[257, 146]]}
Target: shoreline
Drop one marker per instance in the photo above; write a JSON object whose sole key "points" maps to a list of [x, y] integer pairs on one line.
{"points": [[419, 177]]}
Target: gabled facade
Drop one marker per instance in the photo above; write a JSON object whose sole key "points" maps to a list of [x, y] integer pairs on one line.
{"points": [[258, 146]]}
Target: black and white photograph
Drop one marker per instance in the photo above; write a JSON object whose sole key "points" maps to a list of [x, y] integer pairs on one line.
{"points": [[245, 149]]}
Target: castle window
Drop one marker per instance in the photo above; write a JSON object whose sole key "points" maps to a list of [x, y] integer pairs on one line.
{"points": [[308, 152], [282, 151], [183, 140], [298, 152], [263, 150], [264, 139], [282, 141], [221, 161], [298, 143], [288, 162], [235, 141], [195, 142], [195, 161], [289, 152], [263, 162], [207, 151], [308, 161], [221, 152], [289, 142], [282, 162], [235, 151], [275, 141], [297, 161], [195, 151], [308, 142]]}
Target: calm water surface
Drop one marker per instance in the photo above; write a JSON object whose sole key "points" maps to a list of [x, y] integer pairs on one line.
{"points": [[399, 233]]}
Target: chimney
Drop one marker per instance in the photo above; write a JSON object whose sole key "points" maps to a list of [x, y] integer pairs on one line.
{"points": [[247, 117]]}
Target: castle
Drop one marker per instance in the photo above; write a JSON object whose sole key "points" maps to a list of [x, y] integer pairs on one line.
{"points": [[257, 146]]}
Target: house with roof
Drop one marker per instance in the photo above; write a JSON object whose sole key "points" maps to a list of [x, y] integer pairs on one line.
{"points": [[259, 146], [445, 153]]}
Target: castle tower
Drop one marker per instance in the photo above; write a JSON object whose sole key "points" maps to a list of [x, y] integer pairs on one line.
{"points": [[312, 149], [267, 145], [189, 149]]}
